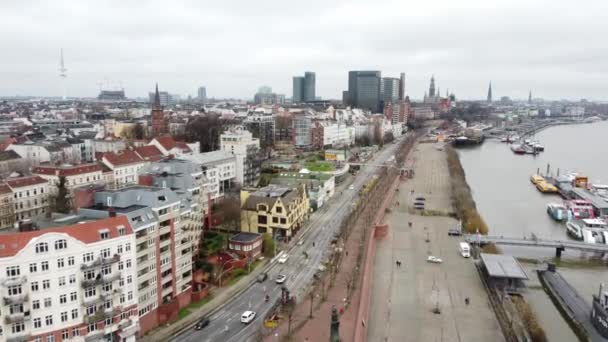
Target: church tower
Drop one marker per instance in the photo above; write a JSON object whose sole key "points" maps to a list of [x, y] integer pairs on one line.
{"points": [[159, 125], [530, 97], [432, 87]]}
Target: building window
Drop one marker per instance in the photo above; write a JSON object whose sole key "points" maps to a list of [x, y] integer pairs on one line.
{"points": [[91, 327], [64, 316], [17, 327], [262, 219], [42, 247], [36, 304], [71, 261], [46, 284], [62, 281], [74, 313], [275, 220], [63, 299], [87, 257], [104, 234], [119, 249], [37, 323], [60, 263], [105, 253], [89, 292], [75, 332], [121, 231], [105, 270], [12, 271], [44, 265], [91, 310], [48, 320], [73, 296], [65, 334], [128, 263], [72, 278], [47, 302], [61, 244], [127, 247], [14, 290], [33, 268], [279, 210]]}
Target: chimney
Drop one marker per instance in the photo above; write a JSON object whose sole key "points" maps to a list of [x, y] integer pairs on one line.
{"points": [[112, 211]]}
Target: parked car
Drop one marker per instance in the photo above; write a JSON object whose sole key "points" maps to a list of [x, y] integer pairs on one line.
{"points": [[283, 258], [419, 204], [262, 277], [280, 279], [434, 259], [201, 324], [454, 232], [420, 198], [247, 316], [352, 187]]}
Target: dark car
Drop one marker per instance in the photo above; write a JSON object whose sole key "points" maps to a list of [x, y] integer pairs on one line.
{"points": [[454, 232], [420, 199], [262, 277], [419, 204], [201, 324]]}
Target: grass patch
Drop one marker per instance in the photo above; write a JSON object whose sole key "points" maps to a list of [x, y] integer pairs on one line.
{"points": [[183, 313], [320, 166], [463, 201], [192, 307]]}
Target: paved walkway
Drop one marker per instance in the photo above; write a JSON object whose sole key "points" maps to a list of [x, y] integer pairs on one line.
{"points": [[403, 298]]}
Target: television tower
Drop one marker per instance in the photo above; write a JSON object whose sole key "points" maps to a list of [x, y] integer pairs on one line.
{"points": [[63, 74]]}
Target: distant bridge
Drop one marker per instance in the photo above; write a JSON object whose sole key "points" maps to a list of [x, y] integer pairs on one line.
{"points": [[559, 245]]}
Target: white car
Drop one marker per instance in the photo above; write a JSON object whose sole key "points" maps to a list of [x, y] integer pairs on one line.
{"points": [[352, 187], [434, 259], [283, 258], [247, 316], [280, 279]]}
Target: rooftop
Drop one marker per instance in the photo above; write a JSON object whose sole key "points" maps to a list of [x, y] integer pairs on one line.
{"points": [[503, 266], [245, 237], [25, 181], [209, 157], [67, 170], [122, 158]]}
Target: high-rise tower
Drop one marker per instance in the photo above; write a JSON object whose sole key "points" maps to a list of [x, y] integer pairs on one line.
{"points": [[530, 97], [490, 93], [432, 87], [402, 87], [159, 125], [63, 73]]}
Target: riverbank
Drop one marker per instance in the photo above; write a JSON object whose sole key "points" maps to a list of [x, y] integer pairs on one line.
{"points": [[422, 301]]}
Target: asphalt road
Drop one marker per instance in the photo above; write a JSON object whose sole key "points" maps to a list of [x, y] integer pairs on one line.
{"points": [[225, 324]]}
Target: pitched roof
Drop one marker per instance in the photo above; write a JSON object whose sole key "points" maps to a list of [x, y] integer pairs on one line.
{"points": [[25, 181], [168, 143], [122, 158], [87, 232], [4, 189], [9, 155], [149, 152], [67, 170]]}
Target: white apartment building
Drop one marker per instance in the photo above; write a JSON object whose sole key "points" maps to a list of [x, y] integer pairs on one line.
{"points": [[163, 260], [30, 197], [74, 282], [75, 176], [125, 166], [241, 144], [219, 170], [338, 134]]}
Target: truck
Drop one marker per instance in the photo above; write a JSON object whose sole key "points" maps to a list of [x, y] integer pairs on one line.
{"points": [[464, 249]]}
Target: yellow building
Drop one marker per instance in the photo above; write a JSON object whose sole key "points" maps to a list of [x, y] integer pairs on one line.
{"points": [[278, 210]]}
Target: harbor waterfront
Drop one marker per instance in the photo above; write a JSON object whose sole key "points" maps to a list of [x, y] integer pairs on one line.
{"points": [[512, 207]]}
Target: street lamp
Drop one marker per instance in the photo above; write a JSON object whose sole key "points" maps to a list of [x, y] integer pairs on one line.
{"points": [[221, 272]]}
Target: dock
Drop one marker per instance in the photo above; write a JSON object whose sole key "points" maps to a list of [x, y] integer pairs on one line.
{"points": [[572, 306]]}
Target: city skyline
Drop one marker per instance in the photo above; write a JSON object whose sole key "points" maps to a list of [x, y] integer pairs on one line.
{"points": [[472, 45]]}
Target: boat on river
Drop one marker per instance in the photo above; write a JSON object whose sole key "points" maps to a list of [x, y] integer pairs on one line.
{"points": [[599, 312], [557, 211], [587, 229], [518, 149], [536, 178], [546, 187]]}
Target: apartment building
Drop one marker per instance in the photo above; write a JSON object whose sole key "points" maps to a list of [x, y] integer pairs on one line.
{"points": [[246, 149], [163, 253], [73, 282], [30, 197], [7, 209], [186, 179], [278, 210], [219, 170], [124, 166], [75, 176]]}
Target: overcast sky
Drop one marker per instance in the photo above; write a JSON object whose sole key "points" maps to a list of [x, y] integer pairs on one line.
{"points": [[556, 48]]}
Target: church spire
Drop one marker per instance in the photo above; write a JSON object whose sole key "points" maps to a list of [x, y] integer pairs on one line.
{"points": [[530, 97], [156, 98], [432, 87]]}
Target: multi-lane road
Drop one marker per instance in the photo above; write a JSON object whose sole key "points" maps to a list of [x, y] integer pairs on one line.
{"points": [[225, 324]]}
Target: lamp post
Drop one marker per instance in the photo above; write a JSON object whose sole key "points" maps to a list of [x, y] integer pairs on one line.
{"points": [[222, 272]]}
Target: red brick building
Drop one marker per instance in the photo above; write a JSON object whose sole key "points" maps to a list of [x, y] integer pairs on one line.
{"points": [[160, 126]]}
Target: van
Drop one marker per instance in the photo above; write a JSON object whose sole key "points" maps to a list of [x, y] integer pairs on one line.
{"points": [[465, 250]]}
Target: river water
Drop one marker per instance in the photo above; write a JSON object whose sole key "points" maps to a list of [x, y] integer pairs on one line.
{"points": [[511, 205]]}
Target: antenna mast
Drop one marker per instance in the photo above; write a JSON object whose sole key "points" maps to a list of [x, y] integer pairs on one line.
{"points": [[63, 73]]}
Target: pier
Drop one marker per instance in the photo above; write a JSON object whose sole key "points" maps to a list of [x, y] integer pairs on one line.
{"points": [[574, 308], [559, 245]]}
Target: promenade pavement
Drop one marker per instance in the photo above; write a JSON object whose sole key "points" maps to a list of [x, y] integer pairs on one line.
{"points": [[403, 298]]}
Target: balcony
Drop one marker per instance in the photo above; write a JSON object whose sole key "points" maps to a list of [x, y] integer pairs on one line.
{"points": [[24, 337], [100, 262], [114, 276], [19, 280], [18, 299], [96, 335], [96, 317], [109, 313], [128, 328], [17, 317]]}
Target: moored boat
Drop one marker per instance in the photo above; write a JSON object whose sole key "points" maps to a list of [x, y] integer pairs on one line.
{"points": [[546, 188], [557, 211], [535, 179], [583, 229], [518, 149]]}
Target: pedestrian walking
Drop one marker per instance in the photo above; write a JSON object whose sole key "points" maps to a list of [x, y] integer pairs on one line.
{"points": [[466, 301]]}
